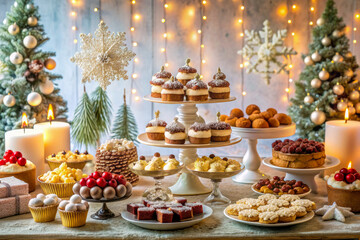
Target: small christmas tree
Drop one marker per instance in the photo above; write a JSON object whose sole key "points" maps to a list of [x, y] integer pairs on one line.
{"points": [[327, 85], [25, 83]]}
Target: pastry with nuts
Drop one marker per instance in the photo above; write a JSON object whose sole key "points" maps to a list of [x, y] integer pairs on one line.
{"points": [[175, 132], [219, 88], [157, 81], [186, 73], [280, 186], [172, 90], [199, 133], [220, 131], [196, 90], [155, 129]]}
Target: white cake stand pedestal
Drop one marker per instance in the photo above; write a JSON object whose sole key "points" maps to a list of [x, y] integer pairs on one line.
{"points": [[251, 159], [306, 175], [188, 183]]}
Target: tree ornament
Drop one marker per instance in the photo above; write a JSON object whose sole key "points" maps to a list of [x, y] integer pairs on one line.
{"points": [[103, 57], [102, 110], [348, 55], [308, 61], [50, 64], [34, 99], [337, 58], [357, 108], [349, 73], [16, 58], [338, 89], [29, 76], [318, 117], [29, 6], [30, 41], [326, 41], [32, 21], [5, 21], [13, 29], [46, 87], [36, 66], [329, 212], [320, 22], [352, 110], [316, 57], [324, 75], [9, 100], [16, 4], [315, 83], [336, 33], [354, 95], [341, 106], [264, 45], [308, 99]]}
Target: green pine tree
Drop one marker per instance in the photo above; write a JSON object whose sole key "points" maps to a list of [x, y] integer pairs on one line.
{"points": [[338, 61], [125, 124], [102, 109], [20, 79]]}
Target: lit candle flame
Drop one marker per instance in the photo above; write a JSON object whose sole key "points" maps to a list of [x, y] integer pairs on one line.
{"points": [[349, 165], [346, 115], [24, 121], [50, 115]]}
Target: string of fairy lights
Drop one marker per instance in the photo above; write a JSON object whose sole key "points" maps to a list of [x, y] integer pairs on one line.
{"points": [[291, 6], [242, 43], [165, 33], [200, 31], [354, 26], [134, 44]]}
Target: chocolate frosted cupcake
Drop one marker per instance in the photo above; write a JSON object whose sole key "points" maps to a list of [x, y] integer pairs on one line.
{"points": [[196, 90], [155, 129], [172, 90], [157, 81], [186, 73], [220, 131], [199, 133], [219, 87], [175, 132]]}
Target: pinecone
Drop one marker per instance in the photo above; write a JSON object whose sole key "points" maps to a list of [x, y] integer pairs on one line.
{"points": [[36, 66], [30, 77]]}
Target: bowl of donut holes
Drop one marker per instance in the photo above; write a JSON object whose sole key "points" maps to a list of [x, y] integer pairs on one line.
{"points": [[256, 118]]}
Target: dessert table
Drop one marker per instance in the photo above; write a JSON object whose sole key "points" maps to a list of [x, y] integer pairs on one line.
{"points": [[215, 227]]}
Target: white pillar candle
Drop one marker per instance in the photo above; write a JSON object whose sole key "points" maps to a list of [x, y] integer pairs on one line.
{"points": [[342, 140], [56, 136], [30, 143]]}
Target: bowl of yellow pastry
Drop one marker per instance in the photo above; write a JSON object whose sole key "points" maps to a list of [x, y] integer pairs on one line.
{"points": [[72, 159], [60, 181]]}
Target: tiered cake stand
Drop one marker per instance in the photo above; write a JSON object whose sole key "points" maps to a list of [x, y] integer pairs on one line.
{"points": [[188, 183], [251, 159]]}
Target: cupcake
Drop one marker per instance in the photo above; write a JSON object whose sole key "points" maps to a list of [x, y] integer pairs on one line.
{"points": [[186, 73], [175, 132], [219, 87], [43, 208], [73, 212], [196, 90], [172, 90], [199, 133], [155, 129], [220, 131], [157, 81]]}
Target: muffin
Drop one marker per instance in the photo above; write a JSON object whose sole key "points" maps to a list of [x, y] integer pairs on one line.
{"points": [[43, 208], [73, 159], [220, 131], [73, 212], [157, 81], [219, 87], [199, 133], [175, 132], [196, 90], [186, 73], [155, 129], [172, 90]]}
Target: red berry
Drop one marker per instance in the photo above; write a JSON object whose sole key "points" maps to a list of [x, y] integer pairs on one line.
{"points": [[339, 177], [91, 183], [2, 162], [357, 175], [13, 159], [350, 178], [101, 182], [276, 178], [344, 171], [258, 186], [113, 183], [7, 156], [352, 170], [270, 186], [107, 176], [121, 181], [21, 161], [276, 190], [96, 175], [83, 182], [10, 152], [18, 154]]}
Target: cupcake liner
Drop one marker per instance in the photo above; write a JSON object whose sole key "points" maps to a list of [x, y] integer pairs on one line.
{"points": [[77, 165], [73, 219], [62, 190], [44, 214]]}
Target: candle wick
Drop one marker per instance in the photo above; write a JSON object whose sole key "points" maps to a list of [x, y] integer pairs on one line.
{"points": [[50, 121], [24, 130], [345, 120]]}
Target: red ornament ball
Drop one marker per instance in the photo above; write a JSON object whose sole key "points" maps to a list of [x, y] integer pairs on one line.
{"points": [[13, 159], [18, 154], [21, 161], [344, 171], [352, 171], [350, 178], [107, 176], [91, 183], [50, 63], [357, 175], [10, 152], [339, 177], [2, 162], [101, 182], [83, 182]]}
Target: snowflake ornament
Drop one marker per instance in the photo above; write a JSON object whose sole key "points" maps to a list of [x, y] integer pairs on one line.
{"points": [[334, 211], [103, 57], [267, 47]]}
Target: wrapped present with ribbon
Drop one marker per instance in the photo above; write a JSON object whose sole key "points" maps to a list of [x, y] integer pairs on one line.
{"points": [[14, 205], [11, 187]]}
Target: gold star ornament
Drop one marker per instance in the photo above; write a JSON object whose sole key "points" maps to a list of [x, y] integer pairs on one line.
{"points": [[103, 57]]}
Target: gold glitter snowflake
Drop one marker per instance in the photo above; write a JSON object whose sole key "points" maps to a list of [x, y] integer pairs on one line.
{"points": [[103, 57]]}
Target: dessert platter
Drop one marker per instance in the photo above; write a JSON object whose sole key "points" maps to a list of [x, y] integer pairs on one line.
{"points": [[301, 160], [73, 159], [215, 169], [188, 131], [157, 169], [259, 125], [166, 215], [270, 211]]}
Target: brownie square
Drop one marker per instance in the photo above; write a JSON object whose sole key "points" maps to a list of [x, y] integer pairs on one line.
{"points": [[196, 207], [173, 205], [180, 200], [164, 215], [146, 213], [150, 203], [133, 207], [182, 213], [159, 206]]}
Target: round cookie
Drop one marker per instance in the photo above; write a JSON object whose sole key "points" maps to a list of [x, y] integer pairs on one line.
{"points": [[234, 209], [279, 203], [268, 217], [251, 108], [243, 123], [266, 115], [255, 116], [272, 111], [260, 123], [300, 211], [223, 118], [283, 118], [268, 208], [250, 215], [236, 112], [286, 214], [231, 121], [273, 122]]}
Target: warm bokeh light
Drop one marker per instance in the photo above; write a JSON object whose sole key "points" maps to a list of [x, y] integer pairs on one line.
{"points": [[243, 93], [354, 41], [311, 23], [137, 16], [291, 80], [133, 91], [355, 28], [291, 66], [134, 44], [137, 98], [132, 29], [204, 2], [199, 31], [203, 61], [133, 1], [165, 35], [166, 5], [96, 9], [202, 45], [204, 17], [75, 41], [201, 76], [163, 20], [24, 120], [241, 34], [292, 34], [287, 90], [162, 49], [312, 9], [357, 16], [242, 7], [289, 21], [73, 13], [134, 75], [282, 10], [240, 20], [73, 28], [241, 65], [294, 6], [136, 60]]}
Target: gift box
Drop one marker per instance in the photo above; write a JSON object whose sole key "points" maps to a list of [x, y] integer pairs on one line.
{"points": [[14, 205], [11, 186]]}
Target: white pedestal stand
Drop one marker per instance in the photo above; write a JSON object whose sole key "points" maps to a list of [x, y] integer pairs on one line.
{"points": [[251, 159], [188, 183]]}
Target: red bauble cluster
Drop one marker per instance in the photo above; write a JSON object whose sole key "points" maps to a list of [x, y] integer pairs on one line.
{"points": [[103, 180], [347, 175], [300, 146], [13, 158], [279, 185]]}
